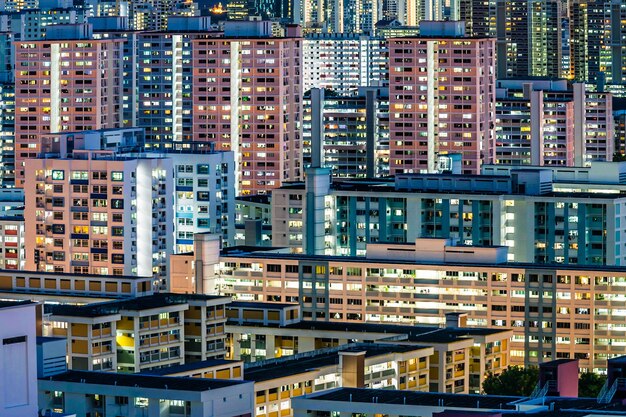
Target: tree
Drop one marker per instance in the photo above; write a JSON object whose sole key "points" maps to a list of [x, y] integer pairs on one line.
{"points": [[514, 380], [590, 384]]}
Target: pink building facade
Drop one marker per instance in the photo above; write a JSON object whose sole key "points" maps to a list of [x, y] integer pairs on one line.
{"points": [[247, 98], [441, 101], [64, 85]]}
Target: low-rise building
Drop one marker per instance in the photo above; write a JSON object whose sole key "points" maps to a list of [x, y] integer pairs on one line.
{"points": [[40, 286], [18, 366], [462, 356], [142, 333], [555, 311], [211, 369], [372, 365], [101, 393]]}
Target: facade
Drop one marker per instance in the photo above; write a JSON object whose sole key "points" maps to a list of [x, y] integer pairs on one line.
{"points": [[12, 254], [350, 401], [598, 44], [203, 196], [354, 133], [91, 393], [51, 353], [33, 24], [85, 99], [531, 37], [154, 15], [389, 366], [421, 282], [7, 134], [441, 100], [547, 122], [461, 356], [253, 221], [264, 75], [118, 27], [39, 285], [143, 333], [164, 84], [18, 365], [549, 216], [344, 62], [89, 215]]}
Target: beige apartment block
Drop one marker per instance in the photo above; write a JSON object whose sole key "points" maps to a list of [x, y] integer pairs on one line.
{"points": [[555, 311]]}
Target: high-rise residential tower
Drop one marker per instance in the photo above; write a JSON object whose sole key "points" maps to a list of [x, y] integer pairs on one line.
{"points": [[247, 98], [69, 82], [92, 212], [441, 99]]}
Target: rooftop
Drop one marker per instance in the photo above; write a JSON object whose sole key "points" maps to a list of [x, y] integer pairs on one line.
{"points": [[260, 305], [434, 399], [256, 252], [300, 363], [143, 381], [175, 369], [7, 304], [148, 302]]}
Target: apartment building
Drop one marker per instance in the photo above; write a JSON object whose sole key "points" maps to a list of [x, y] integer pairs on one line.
{"points": [[69, 82], [369, 365], [598, 40], [7, 133], [164, 81], [461, 358], [107, 27], [154, 15], [555, 311], [18, 366], [89, 215], [264, 76], [441, 99], [142, 333], [542, 215], [353, 134], [33, 24], [12, 254], [253, 220], [548, 122], [343, 62], [71, 288], [93, 393], [204, 199]]}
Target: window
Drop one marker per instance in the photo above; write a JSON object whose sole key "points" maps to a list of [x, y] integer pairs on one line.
{"points": [[58, 175], [80, 175], [203, 169], [117, 176], [117, 203], [117, 258]]}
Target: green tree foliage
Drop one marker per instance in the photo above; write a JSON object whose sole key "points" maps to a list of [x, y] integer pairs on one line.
{"points": [[514, 380], [590, 384]]}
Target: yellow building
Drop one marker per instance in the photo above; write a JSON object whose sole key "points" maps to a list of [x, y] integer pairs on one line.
{"points": [[462, 356], [372, 365], [142, 333]]}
